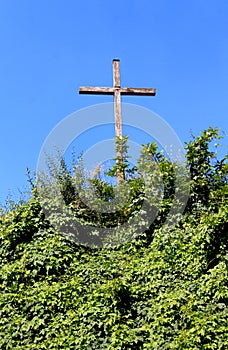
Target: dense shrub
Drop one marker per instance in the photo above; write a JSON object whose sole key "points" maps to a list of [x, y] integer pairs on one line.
{"points": [[166, 289]]}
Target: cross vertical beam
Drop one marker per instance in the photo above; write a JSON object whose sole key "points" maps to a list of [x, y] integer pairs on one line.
{"points": [[118, 115], [117, 98]]}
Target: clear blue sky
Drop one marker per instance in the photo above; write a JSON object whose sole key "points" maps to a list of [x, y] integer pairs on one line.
{"points": [[49, 48]]}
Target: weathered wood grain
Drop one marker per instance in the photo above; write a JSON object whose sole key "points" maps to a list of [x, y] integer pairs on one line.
{"points": [[138, 91], [93, 90], [116, 73]]}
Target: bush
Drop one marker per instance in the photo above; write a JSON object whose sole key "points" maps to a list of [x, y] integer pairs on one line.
{"points": [[166, 289]]}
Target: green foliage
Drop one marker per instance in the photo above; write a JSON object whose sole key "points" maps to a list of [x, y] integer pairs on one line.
{"points": [[166, 289], [208, 174], [122, 165]]}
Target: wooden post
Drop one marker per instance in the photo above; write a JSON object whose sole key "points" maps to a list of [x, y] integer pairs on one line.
{"points": [[118, 114], [117, 98]]}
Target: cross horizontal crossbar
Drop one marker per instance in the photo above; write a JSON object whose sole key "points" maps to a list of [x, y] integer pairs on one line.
{"points": [[111, 91]]}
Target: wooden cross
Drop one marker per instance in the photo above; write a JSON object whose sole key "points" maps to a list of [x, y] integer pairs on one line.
{"points": [[117, 91]]}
